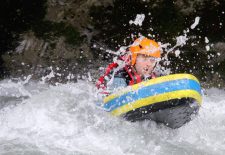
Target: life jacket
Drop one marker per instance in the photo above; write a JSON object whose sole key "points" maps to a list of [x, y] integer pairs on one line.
{"points": [[134, 78], [101, 83]]}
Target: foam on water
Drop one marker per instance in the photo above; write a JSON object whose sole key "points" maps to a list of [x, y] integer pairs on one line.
{"points": [[37, 119], [63, 119]]}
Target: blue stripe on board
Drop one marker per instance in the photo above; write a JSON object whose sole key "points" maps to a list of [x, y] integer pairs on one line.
{"points": [[152, 90]]}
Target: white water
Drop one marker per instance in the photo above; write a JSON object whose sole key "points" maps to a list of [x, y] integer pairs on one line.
{"points": [[37, 119]]}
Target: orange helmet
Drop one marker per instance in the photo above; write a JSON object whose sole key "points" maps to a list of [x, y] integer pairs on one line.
{"points": [[144, 46]]}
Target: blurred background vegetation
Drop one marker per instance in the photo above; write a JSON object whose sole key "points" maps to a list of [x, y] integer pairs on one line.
{"points": [[70, 37]]}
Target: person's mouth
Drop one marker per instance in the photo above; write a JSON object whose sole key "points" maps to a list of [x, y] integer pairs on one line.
{"points": [[146, 70]]}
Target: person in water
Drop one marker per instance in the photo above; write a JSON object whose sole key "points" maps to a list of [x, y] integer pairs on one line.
{"points": [[138, 64]]}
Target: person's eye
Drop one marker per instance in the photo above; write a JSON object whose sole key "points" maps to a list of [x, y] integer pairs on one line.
{"points": [[146, 57]]}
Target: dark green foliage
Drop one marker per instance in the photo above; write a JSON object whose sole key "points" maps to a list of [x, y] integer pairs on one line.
{"points": [[49, 30], [17, 16], [221, 69], [190, 61], [165, 18], [167, 22], [72, 35], [212, 14], [113, 22]]}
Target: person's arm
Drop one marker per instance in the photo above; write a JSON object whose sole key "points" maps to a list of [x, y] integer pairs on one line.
{"points": [[102, 81]]}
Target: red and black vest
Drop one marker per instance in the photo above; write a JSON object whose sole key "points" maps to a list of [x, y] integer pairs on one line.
{"points": [[127, 73]]}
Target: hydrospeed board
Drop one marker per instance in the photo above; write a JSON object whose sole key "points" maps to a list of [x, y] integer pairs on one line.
{"points": [[170, 100]]}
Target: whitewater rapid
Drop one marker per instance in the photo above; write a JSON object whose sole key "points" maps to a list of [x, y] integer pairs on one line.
{"points": [[37, 119]]}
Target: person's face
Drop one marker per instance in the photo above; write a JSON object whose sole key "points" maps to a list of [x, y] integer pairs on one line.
{"points": [[144, 65]]}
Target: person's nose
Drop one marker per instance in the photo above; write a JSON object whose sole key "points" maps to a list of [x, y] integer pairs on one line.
{"points": [[148, 64]]}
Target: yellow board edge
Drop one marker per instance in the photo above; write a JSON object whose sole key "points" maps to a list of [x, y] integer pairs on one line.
{"points": [[148, 83], [156, 99]]}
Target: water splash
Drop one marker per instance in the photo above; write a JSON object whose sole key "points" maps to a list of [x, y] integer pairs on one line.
{"points": [[138, 20], [195, 23], [164, 47], [63, 119]]}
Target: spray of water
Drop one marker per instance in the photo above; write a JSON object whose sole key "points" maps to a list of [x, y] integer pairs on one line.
{"points": [[63, 119], [164, 47], [38, 119]]}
